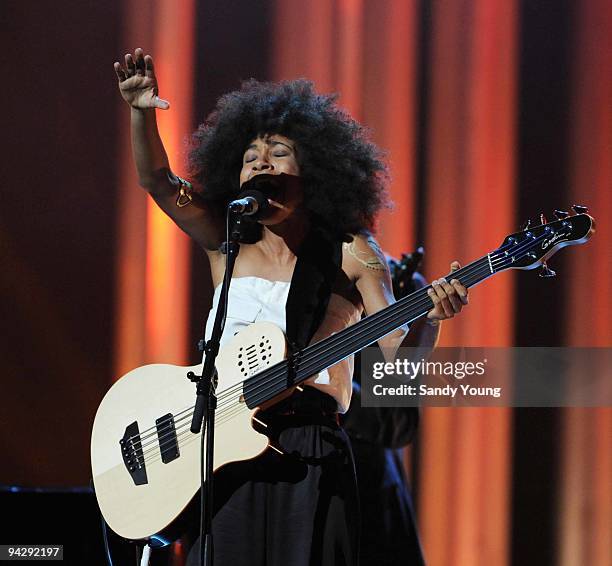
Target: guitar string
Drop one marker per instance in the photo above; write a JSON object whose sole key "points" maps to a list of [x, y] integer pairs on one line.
{"points": [[376, 318], [226, 396], [312, 351], [465, 272], [154, 435], [484, 269], [224, 399], [233, 410], [168, 440], [305, 366], [259, 393], [470, 270], [496, 260], [228, 399], [226, 417], [151, 455]]}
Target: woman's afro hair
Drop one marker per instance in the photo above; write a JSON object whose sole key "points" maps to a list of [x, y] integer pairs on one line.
{"points": [[343, 173]]}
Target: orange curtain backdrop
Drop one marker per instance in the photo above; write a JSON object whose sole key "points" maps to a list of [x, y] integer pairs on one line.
{"points": [[303, 44], [389, 108], [334, 44], [464, 496], [585, 502], [153, 255]]}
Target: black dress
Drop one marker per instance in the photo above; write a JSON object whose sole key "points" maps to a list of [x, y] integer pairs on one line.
{"points": [[388, 528], [299, 508]]}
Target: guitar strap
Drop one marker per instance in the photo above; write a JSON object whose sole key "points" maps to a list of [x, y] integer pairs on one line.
{"points": [[318, 261]]}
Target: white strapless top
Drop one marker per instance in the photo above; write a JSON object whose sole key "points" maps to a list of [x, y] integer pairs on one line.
{"points": [[254, 299]]}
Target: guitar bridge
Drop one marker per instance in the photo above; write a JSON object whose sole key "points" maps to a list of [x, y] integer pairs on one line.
{"points": [[132, 454]]}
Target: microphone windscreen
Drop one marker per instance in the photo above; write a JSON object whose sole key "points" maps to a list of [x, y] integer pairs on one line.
{"points": [[262, 201]]}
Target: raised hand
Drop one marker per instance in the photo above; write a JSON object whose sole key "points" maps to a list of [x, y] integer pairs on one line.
{"points": [[137, 81]]}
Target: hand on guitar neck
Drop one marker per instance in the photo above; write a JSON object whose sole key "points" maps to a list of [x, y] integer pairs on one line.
{"points": [[449, 298]]}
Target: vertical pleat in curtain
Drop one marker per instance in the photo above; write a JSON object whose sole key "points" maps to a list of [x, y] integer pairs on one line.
{"points": [[585, 499], [465, 453], [152, 254]]}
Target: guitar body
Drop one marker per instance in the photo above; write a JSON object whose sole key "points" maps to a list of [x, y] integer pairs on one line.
{"points": [[137, 509]]}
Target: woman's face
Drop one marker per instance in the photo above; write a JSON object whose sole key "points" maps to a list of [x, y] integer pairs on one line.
{"points": [[274, 154]]}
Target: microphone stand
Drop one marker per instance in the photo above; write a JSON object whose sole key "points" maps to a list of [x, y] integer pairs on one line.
{"points": [[206, 400]]}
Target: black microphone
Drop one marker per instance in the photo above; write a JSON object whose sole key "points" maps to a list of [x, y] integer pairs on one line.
{"points": [[249, 203]]}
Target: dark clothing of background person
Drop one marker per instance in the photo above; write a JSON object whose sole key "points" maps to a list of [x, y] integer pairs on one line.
{"points": [[388, 528]]}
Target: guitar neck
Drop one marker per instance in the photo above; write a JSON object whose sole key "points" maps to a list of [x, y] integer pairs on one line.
{"points": [[301, 365]]}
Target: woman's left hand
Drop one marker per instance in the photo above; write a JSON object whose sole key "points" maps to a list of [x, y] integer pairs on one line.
{"points": [[449, 297]]}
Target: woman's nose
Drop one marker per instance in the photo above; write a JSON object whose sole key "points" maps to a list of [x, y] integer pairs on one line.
{"points": [[262, 165]]}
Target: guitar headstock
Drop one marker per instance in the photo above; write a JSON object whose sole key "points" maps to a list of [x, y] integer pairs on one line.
{"points": [[532, 246]]}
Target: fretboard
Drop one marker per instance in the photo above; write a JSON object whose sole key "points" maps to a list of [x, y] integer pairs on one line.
{"points": [[300, 365]]}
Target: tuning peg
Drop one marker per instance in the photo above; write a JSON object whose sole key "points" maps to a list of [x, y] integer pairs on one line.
{"points": [[579, 209], [545, 271], [561, 214], [526, 225], [543, 219]]}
